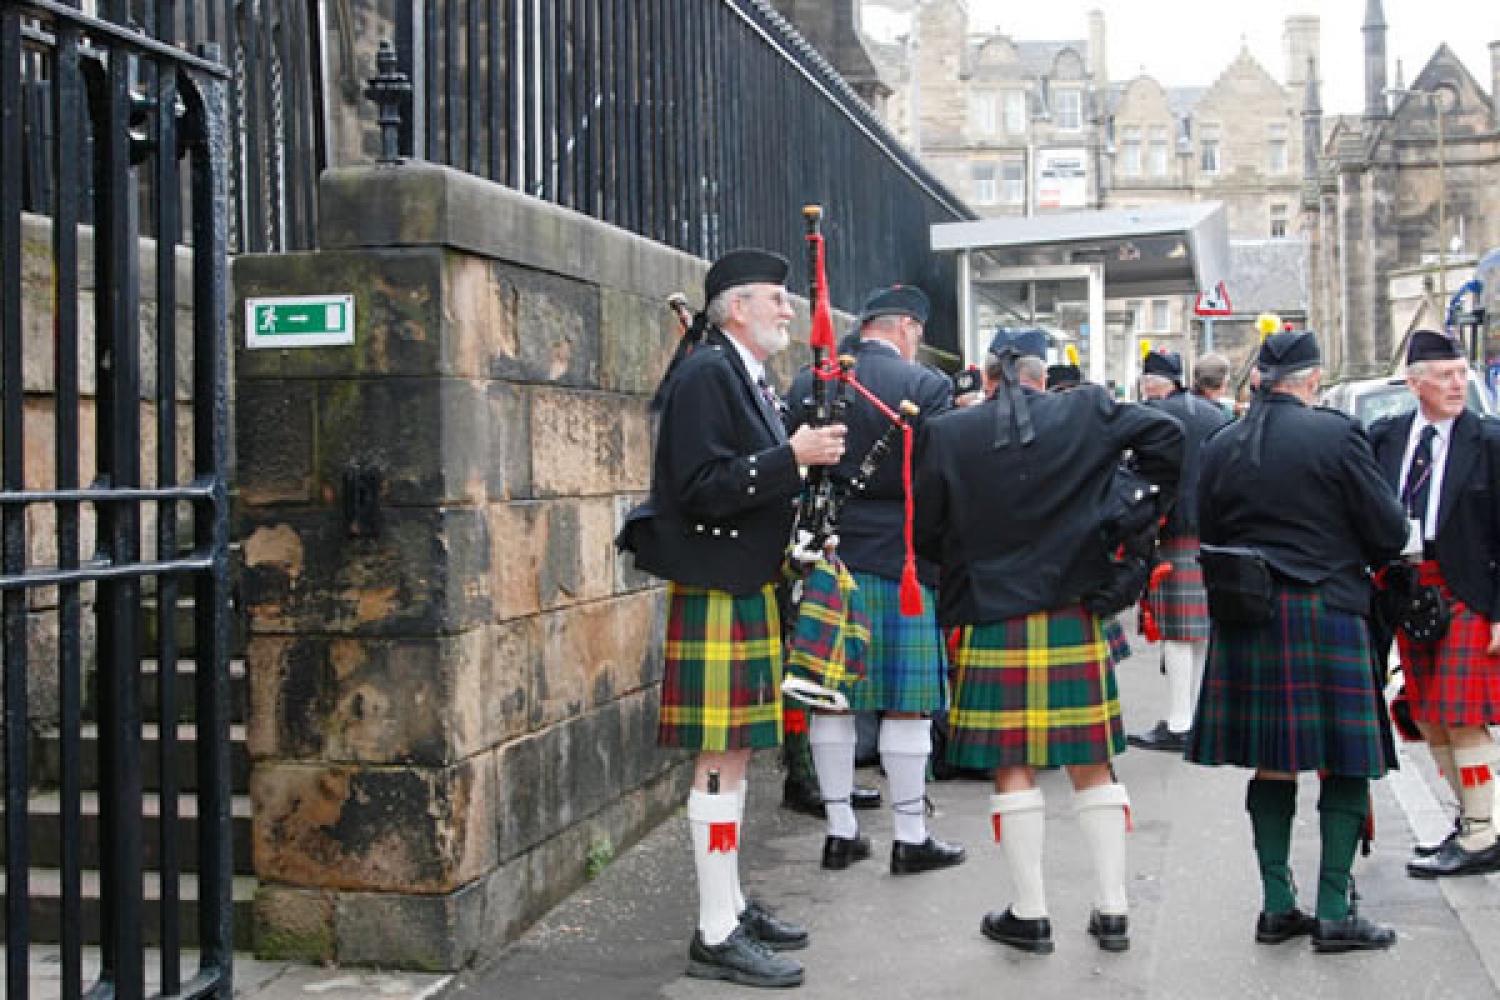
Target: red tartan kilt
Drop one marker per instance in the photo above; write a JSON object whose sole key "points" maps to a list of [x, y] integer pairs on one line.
{"points": [[1454, 681], [1179, 602]]}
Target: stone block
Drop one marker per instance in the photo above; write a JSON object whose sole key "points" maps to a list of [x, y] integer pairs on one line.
{"points": [[514, 663], [294, 925], [427, 933], [638, 338], [509, 464], [595, 653], [551, 553], [427, 572], [547, 330], [400, 701], [389, 829], [589, 444], [276, 441]]}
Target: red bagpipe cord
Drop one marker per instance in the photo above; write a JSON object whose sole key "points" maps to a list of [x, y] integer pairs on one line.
{"points": [[1150, 630]]}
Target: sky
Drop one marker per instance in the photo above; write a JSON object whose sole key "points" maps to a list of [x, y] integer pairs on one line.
{"points": [[1190, 42]]}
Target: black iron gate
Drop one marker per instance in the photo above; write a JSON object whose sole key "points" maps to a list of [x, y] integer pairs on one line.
{"points": [[113, 454]]}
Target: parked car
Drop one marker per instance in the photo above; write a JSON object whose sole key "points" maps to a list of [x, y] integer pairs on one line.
{"points": [[1369, 399]]}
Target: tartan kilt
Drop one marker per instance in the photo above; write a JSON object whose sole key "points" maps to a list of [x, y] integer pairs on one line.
{"points": [[1179, 603], [1454, 681], [721, 684], [905, 669], [1034, 690], [1295, 694], [1116, 639]]}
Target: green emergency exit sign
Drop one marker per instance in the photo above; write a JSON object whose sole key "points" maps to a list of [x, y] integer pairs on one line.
{"points": [[299, 321]]}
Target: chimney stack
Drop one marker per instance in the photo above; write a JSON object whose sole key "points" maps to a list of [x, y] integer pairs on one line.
{"points": [[1098, 65], [1301, 42], [1495, 85], [1377, 106]]}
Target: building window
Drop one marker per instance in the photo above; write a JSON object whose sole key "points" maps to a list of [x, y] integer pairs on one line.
{"points": [[982, 109], [1276, 156], [1278, 221], [984, 184], [1137, 316], [1015, 112], [1160, 315], [1067, 106], [1130, 151], [1208, 149], [1157, 151], [1013, 182]]}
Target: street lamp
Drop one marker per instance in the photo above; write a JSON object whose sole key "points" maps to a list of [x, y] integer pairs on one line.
{"points": [[1435, 97]]}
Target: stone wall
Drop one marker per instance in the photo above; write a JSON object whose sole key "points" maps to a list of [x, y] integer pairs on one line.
{"points": [[448, 716]]}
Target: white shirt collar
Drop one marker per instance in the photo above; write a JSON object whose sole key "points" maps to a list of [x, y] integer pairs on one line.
{"points": [[754, 367], [1444, 427]]}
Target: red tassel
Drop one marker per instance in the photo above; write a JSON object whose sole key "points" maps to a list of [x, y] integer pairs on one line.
{"points": [[995, 821], [794, 721], [723, 837], [1473, 777], [911, 589], [1150, 630], [1129, 821]]}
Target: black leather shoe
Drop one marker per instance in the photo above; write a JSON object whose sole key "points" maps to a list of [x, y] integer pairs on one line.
{"points": [[1111, 930], [841, 852], [741, 959], [770, 930], [1428, 850], [1452, 859], [1160, 738], [1033, 935], [1353, 933], [1276, 928], [799, 796], [908, 859], [864, 797]]}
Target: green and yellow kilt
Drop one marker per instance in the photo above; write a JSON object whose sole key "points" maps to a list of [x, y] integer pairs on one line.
{"points": [[721, 686], [1295, 694], [1036, 690], [905, 669]]}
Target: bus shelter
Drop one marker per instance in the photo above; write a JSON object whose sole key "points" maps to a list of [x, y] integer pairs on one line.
{"points": [[1059, 271]]}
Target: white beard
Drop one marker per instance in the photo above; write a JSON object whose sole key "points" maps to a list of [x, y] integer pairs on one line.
{"points": [[772, 338]]}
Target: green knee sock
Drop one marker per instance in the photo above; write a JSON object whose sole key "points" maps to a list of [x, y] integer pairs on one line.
{"points": [[1342, 809], [1272, 804], [796, 752]]}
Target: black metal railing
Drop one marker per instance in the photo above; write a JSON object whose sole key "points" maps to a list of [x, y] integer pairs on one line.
{"points": [[701, 124], [100, 527]]}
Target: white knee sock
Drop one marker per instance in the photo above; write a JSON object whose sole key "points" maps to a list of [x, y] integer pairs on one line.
{"points": [[905, 745], [1101, 813], [1020, 821], [1442, 756], [714, 823], [739, 893], [1179, 657], [1476, 795], [833, 738]]}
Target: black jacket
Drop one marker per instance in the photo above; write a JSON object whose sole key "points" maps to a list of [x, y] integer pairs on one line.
{"points": [[1016, 529], [1199, 418], [1468, 523], [724, 482], [1317, 506], [871, 526]]}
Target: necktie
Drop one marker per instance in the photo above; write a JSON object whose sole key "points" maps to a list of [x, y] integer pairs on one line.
{"points": [[769, 395], [1419, 477]]}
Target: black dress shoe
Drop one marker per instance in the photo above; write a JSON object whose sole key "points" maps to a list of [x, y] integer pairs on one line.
{"points": [[799, 796], [1353, 933], [1452, 859], [1034, 935], [741, 959], [864, 797], [908, 859], [770, 930], [841, 852], [1428, 850], [1160, 738], [1111, 930], [1276, 928]]}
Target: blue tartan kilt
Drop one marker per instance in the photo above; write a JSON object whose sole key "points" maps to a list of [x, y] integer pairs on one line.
{"points": [[1295, 694], [905, 667]]}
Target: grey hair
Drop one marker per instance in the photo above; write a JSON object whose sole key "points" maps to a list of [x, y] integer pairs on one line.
{"points": [[1153, 381], [1028, 369], [1295, 380], [1211, 371], [718, 306], [890, 322], [1416, 369]]}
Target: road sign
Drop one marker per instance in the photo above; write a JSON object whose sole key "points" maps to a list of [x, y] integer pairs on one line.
{"points": [[1214, 302], [299, 321]]}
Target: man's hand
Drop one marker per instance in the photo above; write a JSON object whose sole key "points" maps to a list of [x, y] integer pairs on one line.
{"points": [[1494, 647], [819, 445]]}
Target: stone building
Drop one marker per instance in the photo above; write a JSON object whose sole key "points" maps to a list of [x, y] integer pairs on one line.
{"points": [[1409, 186]]}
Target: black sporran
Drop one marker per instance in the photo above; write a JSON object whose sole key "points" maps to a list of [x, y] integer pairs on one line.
{"points": [[1239, 584], [1418, 609]]}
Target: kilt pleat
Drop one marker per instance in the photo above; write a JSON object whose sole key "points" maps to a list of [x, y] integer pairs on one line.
{"points": [[1295, 694], [721, 683], [905, 669], [1179, 602], [1036, 690], [1454, 681]]}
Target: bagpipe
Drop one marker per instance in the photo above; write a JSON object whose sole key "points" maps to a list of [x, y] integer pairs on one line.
{"points": [[827, 641]]}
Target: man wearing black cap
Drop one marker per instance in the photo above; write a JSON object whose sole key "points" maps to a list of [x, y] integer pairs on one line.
{"points": [[1295, 496], [716, 527], [904, 663], [1177, 602], [1011, 499], [1439, 458]]}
